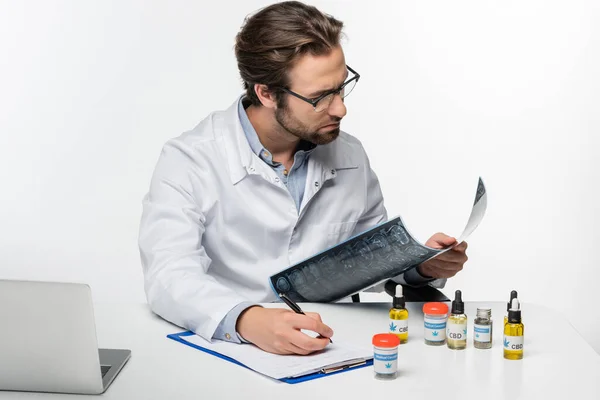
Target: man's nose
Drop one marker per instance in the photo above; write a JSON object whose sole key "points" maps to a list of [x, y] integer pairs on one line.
{"points": [[337, 107]]}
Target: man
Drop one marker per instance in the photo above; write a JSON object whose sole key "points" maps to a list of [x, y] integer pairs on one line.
{"points": [[262, 185]]}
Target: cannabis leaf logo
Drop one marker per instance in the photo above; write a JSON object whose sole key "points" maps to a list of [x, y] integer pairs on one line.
{"points": [[388, 365], [435, 333], [506, 343], [393, 327]]}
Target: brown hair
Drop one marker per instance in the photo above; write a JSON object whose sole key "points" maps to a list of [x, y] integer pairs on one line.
{"points": [[271, 41]]}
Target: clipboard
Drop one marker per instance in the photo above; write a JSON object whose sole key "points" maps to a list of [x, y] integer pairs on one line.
{"points": [[178, 337]]}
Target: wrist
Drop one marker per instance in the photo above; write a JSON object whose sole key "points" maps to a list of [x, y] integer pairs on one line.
{"points": [[245, 321]]}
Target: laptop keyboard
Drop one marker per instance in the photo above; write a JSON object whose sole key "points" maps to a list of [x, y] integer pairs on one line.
{"points": [[104, 369]]}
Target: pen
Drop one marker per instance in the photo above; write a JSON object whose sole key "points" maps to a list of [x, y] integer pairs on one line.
{"points": [[295, 307]]}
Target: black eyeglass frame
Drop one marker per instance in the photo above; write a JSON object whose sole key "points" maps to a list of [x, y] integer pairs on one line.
{"points": [[313, 102]]}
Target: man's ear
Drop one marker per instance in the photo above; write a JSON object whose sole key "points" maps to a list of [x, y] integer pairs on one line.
{"points": [[266, 97]]}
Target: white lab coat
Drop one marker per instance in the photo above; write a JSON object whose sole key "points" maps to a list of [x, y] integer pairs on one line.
{"points": [[217, 222]]}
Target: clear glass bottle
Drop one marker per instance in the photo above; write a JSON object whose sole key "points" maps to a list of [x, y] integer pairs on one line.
{"points": [[385, 356], [457, 324], [514, 333], [435, 318], [483, 329], [399, 316]]}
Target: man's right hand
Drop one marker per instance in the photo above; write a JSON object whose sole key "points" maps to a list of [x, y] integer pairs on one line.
{"points": [[277, 330]]}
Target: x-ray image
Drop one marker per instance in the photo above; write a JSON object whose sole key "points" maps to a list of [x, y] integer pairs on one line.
{"points": [[383, 252]]}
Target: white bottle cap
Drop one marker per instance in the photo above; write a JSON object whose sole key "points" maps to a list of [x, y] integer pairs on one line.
{"points": [[515, 304], [398, 290]]}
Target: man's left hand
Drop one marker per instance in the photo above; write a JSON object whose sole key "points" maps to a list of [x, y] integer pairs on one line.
{"points": [[445, 265]]}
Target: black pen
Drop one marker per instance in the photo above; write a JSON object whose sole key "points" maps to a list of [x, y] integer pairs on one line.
{"points": [[295, 307]]}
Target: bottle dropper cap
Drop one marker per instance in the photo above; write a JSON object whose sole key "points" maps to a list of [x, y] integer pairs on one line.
{"points": [[458, 307], [399, 301], [514, 313], [513, 295]]}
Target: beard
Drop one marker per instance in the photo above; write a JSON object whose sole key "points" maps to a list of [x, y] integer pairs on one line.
{"points": [[294, 126]]}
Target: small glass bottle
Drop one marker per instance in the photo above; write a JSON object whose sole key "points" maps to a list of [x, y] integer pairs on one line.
{"points": [[399, 316], [385, 356], [482, 337], [435, 318], [514, 333], [457, 324]]}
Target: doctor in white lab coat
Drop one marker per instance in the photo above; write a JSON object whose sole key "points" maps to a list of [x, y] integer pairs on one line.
{"points": [[262, 185]]}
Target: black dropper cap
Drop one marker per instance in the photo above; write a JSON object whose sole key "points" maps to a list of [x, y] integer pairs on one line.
{"points": [[458, 307], [513, 295], [399, 301], [514, 313]]}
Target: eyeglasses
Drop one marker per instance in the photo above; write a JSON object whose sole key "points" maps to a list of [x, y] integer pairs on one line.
{"points": [[323, 102]]}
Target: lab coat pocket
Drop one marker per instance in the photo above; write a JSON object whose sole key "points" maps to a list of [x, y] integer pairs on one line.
{"points": [[339, 231]]}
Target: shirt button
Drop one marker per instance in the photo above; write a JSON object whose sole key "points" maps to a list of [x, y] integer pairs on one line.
{"points": [[285, 172], [227, 336], [333, 172], [277, 179], [316, 184], [266, 153]]}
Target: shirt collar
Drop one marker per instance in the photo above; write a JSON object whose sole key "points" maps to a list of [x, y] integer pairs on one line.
{"points": [[254, 141], [226, 126], [249, 130]]}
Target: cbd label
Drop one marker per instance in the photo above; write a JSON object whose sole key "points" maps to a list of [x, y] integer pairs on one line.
{"points": [[398, 326], [513, 343], [457, 331]]}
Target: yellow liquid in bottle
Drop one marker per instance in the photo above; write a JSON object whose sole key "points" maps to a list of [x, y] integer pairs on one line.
{"points": [[399, 323], [456, 335], [506, 320], [513, 341]]}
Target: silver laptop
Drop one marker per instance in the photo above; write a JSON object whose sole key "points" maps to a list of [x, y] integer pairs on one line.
{"points": [[48, 340]]}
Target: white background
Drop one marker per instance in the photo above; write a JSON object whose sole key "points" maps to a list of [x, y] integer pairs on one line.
{"points": [[450, 91]]}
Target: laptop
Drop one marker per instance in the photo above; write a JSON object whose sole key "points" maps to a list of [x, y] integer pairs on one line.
{"points": [[48, 340]]}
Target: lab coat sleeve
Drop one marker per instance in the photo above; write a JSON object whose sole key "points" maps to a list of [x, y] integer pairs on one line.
{"points": [[229, 323], [175, 264], [376, 213]]}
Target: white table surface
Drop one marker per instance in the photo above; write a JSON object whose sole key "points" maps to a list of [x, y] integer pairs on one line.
{"points": [[557, 364]]}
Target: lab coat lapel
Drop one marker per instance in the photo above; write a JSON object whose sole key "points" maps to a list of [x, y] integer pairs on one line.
{"points": [[323, 165], [228, 128]]}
